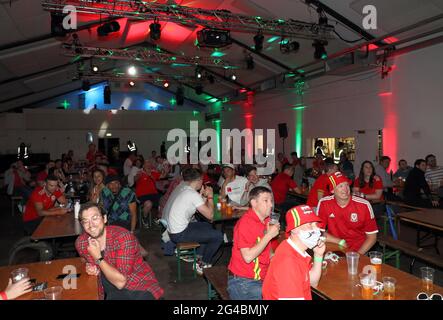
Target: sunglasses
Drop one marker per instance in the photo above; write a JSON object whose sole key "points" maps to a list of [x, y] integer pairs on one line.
{"points": [[425, 296], [331, 256]]}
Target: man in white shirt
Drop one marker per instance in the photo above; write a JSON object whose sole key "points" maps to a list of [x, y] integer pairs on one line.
{"points": [[434, 173], [233, 186], [253, 181], [179, 210]]}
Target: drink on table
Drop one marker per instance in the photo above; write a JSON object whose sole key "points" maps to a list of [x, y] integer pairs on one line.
{"points": [[229, 209], [352, 260], [367, 282], [223, 205], [389, 288], [427, 278], [376, 260]]}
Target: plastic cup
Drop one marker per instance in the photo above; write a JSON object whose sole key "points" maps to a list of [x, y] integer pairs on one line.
{"points": [[53, 293], [376, 260], [352, 260], [367, 283], [218, 206], [427, 278], [389, 288], [274, 218], [19, 274]]}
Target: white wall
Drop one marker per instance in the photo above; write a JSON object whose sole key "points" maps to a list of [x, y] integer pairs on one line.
{"points": [[57, 131], [411, 118]]}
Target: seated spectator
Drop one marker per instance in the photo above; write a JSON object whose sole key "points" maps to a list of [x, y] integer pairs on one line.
{"points": [[119, 203], [251, 248], [15, 290], [58, 171], [179, 211], [321, 187], [368, 185], [164, 199], [291, 273], [386, 178], [434, 173], [253, 181], [113, 254], [318, 165], [281, 185], [90, 156], [403, 170], [417, 192], [22, 180], [98, 179], [146, 189], [135, 169], [346, 167], [300, 171], [41, 203], [350, 220], [232, 185], [281, 161], [295, 161], [41, 176]]}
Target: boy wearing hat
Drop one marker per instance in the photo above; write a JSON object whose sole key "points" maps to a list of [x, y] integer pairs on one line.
{"points": [[350, 220], [233, 186], [292, 273]]}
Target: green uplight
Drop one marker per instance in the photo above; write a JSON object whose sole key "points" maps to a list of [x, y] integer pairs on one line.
{"points": [[195, 113], [65, 104], [281, 21], [218, 130], [175, 65], [213, 100], [324, 56], [173, 58], [272, 39], [299, 108], [299, 130], [173, 101], [284, 41]]}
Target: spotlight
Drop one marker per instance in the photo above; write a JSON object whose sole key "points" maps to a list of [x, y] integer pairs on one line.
{"points": [[94, 69], [320, 51], [198, 73], [166, 84], [199, 89], [131, 83], [155, 30], [250, 62], [86, 85], [108, 28], [180, 96], [233, 77], [258, 41], [132, 71], [287, 46]]}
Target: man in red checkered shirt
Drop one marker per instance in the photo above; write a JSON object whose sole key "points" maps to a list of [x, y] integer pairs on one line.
{"points": [[113, 254]]}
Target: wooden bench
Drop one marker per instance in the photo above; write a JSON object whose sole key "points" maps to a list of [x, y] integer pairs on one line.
{"points": [[217, 278], [184, 248], [408, 249]]}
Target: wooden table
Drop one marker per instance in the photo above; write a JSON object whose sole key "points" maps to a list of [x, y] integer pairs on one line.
{"points": [[336, 284], [430, 219], [53, 227], [87, 286]]}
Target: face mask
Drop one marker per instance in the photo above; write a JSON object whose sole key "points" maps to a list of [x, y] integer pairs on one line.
{"points": [[309, 238]]}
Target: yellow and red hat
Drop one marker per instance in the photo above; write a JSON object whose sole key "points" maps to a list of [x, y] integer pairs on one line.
{"points": [[300, 215], [336, 178]]}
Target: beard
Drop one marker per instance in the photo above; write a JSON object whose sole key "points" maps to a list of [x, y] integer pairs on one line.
{"points": [[99, 234]]}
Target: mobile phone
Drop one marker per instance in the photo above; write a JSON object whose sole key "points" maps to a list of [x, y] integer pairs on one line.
{"points": [[40, 286], [68, 276]]}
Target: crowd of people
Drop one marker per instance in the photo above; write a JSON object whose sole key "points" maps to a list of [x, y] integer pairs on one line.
{"points": [[337, 210]]}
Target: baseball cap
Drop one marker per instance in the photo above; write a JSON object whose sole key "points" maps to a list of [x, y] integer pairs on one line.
{"points": [[111, 178], [300, 215], [336, 178], [229, 165]]}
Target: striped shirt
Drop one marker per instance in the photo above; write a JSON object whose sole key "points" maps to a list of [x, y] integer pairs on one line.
{"points": [[434, 177]]}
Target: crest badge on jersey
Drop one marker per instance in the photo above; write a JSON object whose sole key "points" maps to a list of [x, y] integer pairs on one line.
{"points": [[354, 217]]}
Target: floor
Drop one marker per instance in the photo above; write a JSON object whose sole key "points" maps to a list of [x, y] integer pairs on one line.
{"points": [[165, 267]]}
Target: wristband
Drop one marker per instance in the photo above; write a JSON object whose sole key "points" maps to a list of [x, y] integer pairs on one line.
{"points": [[341, 243], [3, 295], [318, 259]]}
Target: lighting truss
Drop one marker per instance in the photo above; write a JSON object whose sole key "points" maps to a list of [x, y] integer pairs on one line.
{"points": [[151, 78], [188, 16], [143, 55]]}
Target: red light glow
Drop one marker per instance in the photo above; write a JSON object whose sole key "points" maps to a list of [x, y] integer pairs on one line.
{"points": [[385, 94]]}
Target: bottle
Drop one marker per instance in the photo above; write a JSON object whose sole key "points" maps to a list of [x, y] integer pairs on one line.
{"points": [[76, 209]]}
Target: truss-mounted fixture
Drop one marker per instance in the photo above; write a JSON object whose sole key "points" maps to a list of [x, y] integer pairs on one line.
{"points": [[216, 19], [143, 55]]}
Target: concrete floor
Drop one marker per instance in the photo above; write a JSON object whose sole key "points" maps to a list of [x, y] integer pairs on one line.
{"points": [[165, 267]]}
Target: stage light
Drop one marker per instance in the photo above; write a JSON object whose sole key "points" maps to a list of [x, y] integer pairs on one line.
{"points": [[132, 71], [320, 50], [95, 69], [131, 83], [166, 84], [233, 77], [258, 41], [155, 30], [108, 28], [214, 38], [198, 73], [287, 47]]}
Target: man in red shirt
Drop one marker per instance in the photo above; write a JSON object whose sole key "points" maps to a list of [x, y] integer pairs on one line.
{"points": [[41, 176], [90, 156], [146, 190], [291, 273], [251, 249], [321, 186], [350, 220], [41, 203], [281, 185], [113, 254]]}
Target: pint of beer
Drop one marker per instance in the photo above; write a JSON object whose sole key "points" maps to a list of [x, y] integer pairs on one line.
{"points": [[376, 260]]}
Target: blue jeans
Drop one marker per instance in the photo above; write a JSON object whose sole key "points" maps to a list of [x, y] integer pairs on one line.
{"points": [[244, 289], [203, 233]]}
